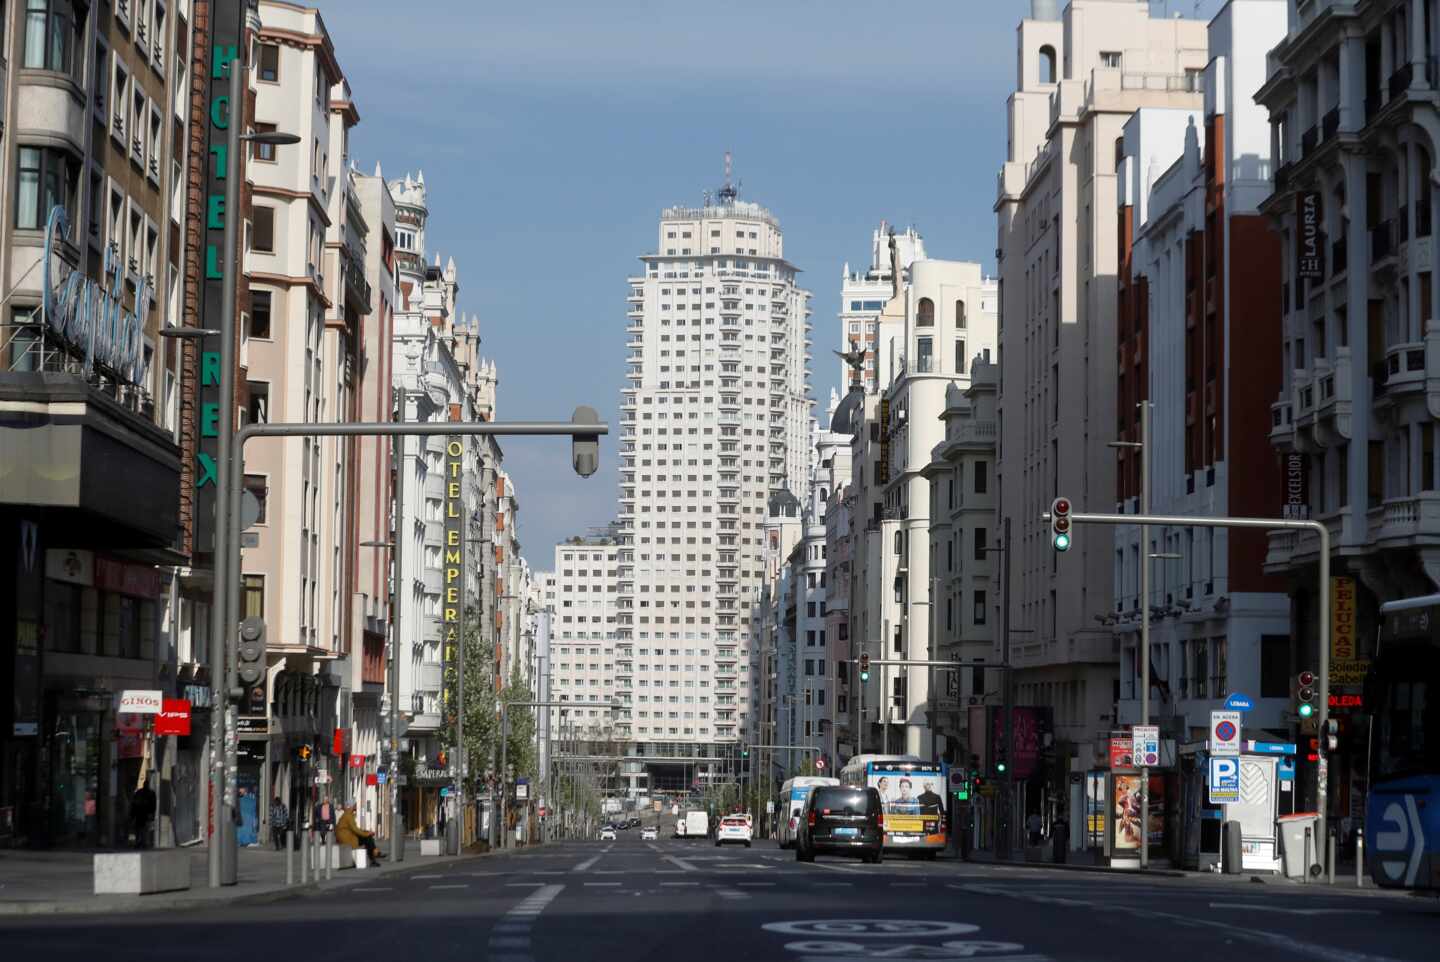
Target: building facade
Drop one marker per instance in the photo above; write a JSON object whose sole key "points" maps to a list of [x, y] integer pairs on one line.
{"points": [[1081, 74]]}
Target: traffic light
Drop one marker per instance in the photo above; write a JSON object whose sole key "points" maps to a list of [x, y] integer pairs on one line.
{"points": [[962, 790], [250, 657], [864, 667], [745, 752], [1305, 695], [1060, 524], [1332, 734], [585, 448], [303, 753]]}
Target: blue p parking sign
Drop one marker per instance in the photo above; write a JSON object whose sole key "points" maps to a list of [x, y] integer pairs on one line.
{"points": [[1224, 779]]}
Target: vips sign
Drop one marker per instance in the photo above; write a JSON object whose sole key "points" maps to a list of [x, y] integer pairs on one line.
{"points": [[453, 603], [174, 717], [1310, 244]]}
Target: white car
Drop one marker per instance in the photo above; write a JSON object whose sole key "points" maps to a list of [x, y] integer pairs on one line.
{"points": [[649, 834], [734, 828], [607, 834]]}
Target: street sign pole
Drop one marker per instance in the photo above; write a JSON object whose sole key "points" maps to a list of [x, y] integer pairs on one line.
{"points": [[1271, 524]]}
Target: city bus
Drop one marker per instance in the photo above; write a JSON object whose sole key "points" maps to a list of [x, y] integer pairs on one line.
{"points": [[790, 800], [1403, 831], [912, 792]]}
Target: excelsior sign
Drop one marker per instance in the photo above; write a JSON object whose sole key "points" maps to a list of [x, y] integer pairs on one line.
{"points": [[90, 317]]}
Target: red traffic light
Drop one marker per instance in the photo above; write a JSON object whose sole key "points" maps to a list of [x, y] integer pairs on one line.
{"points": [[1307, 679], [1061, 506]]}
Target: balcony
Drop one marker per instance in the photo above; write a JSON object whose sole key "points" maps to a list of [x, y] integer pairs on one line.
{"points": [[352, 277], [1309, 140], [431, 676], [1404, 368], [1406, 518]]}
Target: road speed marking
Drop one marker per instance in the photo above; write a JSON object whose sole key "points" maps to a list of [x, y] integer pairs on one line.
{"points": [[872, 928]]}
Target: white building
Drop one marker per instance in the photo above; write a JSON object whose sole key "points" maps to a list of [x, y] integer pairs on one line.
{"points": [[1079, 78], [863, 297], [715, 417]]}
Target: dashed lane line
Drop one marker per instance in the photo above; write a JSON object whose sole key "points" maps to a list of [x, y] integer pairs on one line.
{"points": [[374, 888], [585, 865], [732, 895], [420, 877], [462, 885], [524, 885], [510, 940]]}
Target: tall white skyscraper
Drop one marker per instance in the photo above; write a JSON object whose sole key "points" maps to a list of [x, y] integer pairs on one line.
{"points": [[714, 417]]}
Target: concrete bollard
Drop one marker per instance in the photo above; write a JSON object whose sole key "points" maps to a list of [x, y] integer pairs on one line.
{"points": [[289, 856], [1330, 858], [1359, 858], [1230, 851], [329, 860]]}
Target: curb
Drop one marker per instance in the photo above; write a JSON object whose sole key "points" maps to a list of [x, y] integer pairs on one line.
{"points": [[1066, 867], [166, 902]]}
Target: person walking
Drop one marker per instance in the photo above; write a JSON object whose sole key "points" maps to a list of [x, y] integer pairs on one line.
{"points": [[324, 819], [279, 823], [349, 833], [142, 812], [1034, 824]]}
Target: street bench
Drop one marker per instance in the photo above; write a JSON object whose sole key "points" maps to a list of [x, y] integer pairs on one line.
{"points": [[142, 873]]}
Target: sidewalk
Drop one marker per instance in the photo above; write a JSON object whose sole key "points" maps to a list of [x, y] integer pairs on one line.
{"points": [[62, 882], [1344, 874]]}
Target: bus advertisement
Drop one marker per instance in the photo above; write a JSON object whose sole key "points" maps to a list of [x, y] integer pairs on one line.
{"points": [[912, 792]]}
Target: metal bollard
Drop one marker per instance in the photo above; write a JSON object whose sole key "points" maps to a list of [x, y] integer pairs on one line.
{"points": [[289, 856], [1330, 858], [329, 860], [1359, 858], [304, 857], [1305, 865]]}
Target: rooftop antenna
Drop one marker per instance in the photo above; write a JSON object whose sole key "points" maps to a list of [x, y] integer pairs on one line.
{"points": [[728, 192]]}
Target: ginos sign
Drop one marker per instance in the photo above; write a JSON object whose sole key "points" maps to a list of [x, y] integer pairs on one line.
{"points": [[90, 317]]}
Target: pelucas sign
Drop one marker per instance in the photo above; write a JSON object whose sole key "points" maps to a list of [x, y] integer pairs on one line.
{"points": [[90, 317]]}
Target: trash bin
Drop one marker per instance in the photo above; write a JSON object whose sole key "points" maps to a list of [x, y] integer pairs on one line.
{"points": [[1293, 830]]}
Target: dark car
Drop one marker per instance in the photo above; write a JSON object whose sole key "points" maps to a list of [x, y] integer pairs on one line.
{"points": [[841, 820]]}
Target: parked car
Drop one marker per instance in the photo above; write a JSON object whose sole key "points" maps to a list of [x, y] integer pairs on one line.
{"points": [[733, 828], [649, 834], [607, 834], [841, 820]]}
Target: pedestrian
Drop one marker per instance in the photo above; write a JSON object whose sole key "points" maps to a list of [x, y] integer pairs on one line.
{"points": [[279, 823], [142, 811], [349, 833], [1060, 835], [1034, 824], [324, 819]]}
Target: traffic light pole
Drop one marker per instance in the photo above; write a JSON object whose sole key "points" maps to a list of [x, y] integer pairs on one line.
{"points": [[1268, 524]]}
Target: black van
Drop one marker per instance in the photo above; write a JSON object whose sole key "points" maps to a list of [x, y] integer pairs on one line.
{"points": [[843, 820]]}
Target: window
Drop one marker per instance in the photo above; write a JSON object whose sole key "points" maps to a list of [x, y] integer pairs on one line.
{"points": [[924, 354], [260, 304], [1047, 64], [925, 313], [46, 177], [959, 357], [270, 62], [960, 315], [265, 152], [1110, 58], [53, 32], [253, 601], [979, 544], [979, 613], [256, 485], [262, 233], [258, 410], [982, 476]]}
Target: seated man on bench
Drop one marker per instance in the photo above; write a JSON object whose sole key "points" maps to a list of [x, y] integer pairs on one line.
{"points": [[349, 833]]}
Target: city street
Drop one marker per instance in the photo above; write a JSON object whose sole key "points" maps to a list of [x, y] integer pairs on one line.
{"points": [[630, 900]]}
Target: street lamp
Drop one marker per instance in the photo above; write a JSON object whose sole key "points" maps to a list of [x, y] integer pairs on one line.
{"points": [[186, 333], [222, 854]]}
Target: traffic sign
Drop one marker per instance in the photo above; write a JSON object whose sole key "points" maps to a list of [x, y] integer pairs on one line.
{"points": [[1146, 747], [819, 764], [322, 777], [1239, 702], [381, 777], [1225, 733], [1224, 779], [1271, 748]]}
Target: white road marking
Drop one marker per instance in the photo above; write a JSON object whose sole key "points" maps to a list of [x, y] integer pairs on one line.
{"points": [[524, 885], [681, 863], [676, 884], [731, 894], [834, 885], [436, 875], [594, 884], [510, 941], [1254, 907], [374, 888], [838, 868], [460, 886], [1278, 940], [585, 865], [755, 885]]}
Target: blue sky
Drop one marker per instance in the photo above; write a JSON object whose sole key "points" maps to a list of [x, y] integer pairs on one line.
{"points": [[552, 132]]}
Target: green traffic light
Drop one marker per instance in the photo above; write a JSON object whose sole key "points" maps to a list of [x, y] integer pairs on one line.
{"points": [[1000, 766], [1307, 710], [1062, 542], [864, 676]]}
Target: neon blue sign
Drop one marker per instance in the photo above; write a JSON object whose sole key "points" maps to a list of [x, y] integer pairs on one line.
{"points": [[90, 316]]}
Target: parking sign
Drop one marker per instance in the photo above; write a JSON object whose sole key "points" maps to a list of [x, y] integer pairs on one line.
{"points": [[1224, 779]]}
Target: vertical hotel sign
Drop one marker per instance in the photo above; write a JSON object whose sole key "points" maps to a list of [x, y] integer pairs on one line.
{"points": [[453, 603], [1309, 242], [227, 22], [1347, 667]]}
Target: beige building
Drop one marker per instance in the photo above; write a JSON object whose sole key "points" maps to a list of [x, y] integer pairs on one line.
{"points": [[1080, 76]]}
